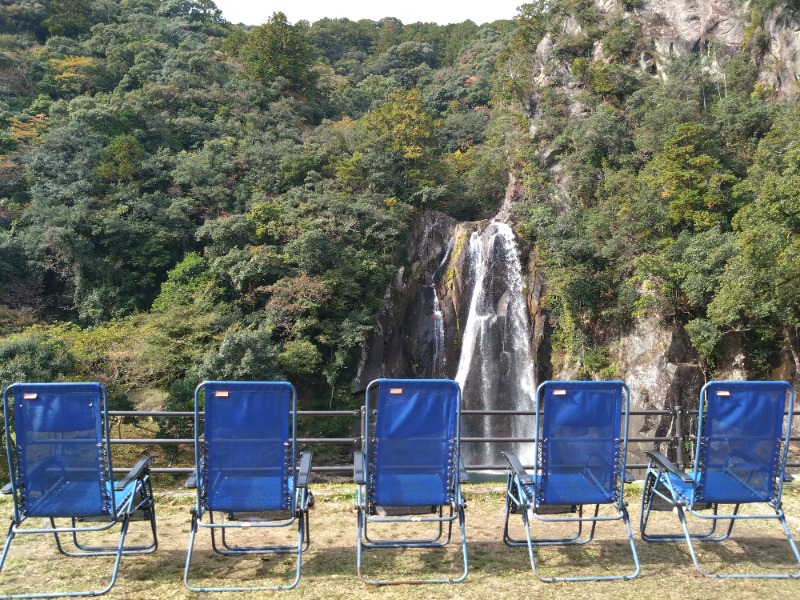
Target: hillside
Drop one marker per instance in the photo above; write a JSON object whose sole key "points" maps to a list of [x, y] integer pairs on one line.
{"points": [[182, 198]]}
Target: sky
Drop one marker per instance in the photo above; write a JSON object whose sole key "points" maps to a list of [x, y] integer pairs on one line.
{"points": [[442, 12]]}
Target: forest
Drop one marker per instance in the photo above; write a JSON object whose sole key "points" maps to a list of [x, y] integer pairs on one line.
{"points": [[182, 198]]}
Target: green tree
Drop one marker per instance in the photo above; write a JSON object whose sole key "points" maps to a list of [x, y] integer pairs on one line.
{"points": [[73, 18], [694, 184], [189, 282], [34, 356], [760, 285], [279, 50], [121, 159], [395, 143]]}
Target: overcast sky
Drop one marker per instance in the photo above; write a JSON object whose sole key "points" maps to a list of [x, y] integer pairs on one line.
{"points": [[256, 12]]}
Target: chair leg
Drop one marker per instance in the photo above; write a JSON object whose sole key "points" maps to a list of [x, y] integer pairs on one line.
{"points": [[532, 543], [462, 521], [307, 527], [507, 539], [792, 543], [98, 592], [361, 545], [7, 545], [298, 549], [190, 552], [359, 540], [689, 539], [652, 488], [627, 520]]}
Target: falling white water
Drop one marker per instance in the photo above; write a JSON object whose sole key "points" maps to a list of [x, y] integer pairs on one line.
{"points": [[495, 369], [439, 358]]}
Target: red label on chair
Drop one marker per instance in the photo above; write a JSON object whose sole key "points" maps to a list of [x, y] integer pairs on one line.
{"points": [[395, 390]]}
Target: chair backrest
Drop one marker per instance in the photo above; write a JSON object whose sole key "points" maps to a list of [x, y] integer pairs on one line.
{"points": [[582, 430], [413, 434], [60, 463], [246, 458], [742, 444]]}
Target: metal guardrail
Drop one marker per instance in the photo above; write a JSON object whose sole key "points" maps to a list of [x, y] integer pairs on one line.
{"points": [[678, 440]]}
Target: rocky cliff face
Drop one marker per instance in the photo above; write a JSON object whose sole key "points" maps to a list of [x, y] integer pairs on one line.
{"points": [[654, 356], [716, 29], [782, 57], [405, 341]]}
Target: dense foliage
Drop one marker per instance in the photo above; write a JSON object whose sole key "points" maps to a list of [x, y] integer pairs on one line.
{"points": [[182, 198]]}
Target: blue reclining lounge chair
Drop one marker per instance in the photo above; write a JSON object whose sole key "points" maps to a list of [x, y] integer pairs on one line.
{"points": [[246, 471], [410, 465], [59, 456], [581, 441], [740, 458]]}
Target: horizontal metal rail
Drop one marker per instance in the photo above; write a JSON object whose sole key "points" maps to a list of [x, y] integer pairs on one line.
{"points": [[677, 441]]}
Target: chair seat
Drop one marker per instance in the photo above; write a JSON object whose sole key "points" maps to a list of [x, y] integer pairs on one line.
{"points": [[248, 493], [76, 499], [569, 489], [718, 487], [427, 489]]}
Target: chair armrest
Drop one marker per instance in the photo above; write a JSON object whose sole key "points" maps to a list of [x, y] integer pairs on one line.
{"points": [[786, 478], [516, 466], [666, 464], [358, 467], [463, 476], [628, 477], [136, 472], [191, 481], [6, 489], [305, 469]]}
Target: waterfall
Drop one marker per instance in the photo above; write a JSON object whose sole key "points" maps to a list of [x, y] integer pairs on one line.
{"points": [[495, 369], [439, 358]]}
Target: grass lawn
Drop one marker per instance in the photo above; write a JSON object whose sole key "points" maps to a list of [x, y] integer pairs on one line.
{"points": [[329, 567]]}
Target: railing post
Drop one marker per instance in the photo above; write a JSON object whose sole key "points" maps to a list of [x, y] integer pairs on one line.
{"points": [[679, 436], [363, 411]]}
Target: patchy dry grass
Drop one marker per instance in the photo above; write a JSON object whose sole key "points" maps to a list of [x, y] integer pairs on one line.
{"points": [[495, 570]]}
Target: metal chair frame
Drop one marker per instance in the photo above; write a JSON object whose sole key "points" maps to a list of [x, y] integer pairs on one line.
{"points": [[364, 517], [520, 501], [234, 521], [139, 502], [659, 487]]}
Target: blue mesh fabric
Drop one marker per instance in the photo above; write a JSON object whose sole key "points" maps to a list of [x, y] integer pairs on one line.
{"points": [[741, 441], [247, 429], [121, 495], [684, 490], [414, 442], [581, 432], [62, 468]]}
